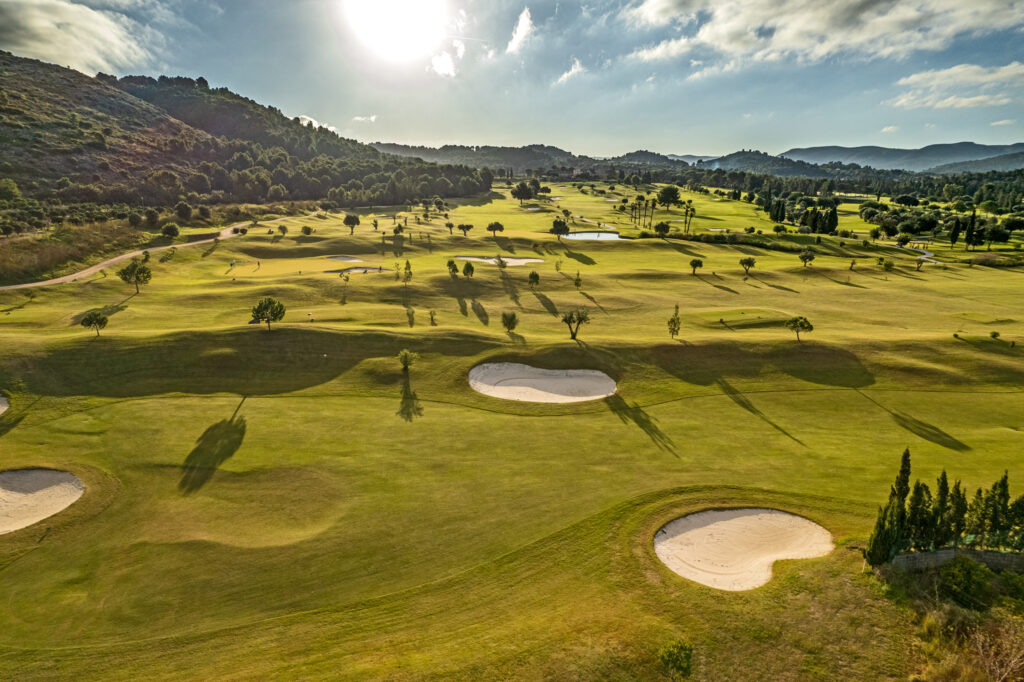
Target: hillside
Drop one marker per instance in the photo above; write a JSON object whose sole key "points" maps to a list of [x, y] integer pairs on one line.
{"points": [[907, 159], [759, 162], [690, 158], [529, 157], [58, 123], [140, 140], [1003, 162]]}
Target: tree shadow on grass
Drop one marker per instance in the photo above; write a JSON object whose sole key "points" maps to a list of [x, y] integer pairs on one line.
{"points": [[547, 303], [481, 312], [217, 444], [594, 301], [929, 432], [743, 401], [579, 256], [505, 244], [645, 422], [409, 408], [681, 248], [511, 290], [107, 311]]}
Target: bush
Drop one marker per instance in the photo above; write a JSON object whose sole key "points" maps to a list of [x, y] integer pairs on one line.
{"points": [[677, 657], [967, 583], [170, 230]]}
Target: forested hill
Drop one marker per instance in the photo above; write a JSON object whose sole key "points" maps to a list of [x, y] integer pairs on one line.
{"points": [[759, 162], [140, 140], [1003, 162], [533, 157], [921, 159]]}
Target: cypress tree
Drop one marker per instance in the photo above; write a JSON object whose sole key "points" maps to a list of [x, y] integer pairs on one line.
{"points": [[919, 518], [899, 492], [884, 539], [954, 233], [957, 512], [999, 511], [941, 520], [969, 235]]}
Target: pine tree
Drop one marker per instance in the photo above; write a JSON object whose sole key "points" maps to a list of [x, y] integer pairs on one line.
{"points": [[999, 511], [900, 490]]}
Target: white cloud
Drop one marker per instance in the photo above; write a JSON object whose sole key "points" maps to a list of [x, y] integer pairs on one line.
{"points": [[523, 29], [574, 70], [71, 34], [365, 119], [891, 129], [1004, 122], [460, 48], [306, 120], [443, 65], [961, 87], [772, 30]]}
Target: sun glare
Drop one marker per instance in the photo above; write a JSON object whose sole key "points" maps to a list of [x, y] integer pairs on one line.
{"points": [[398, 30]]}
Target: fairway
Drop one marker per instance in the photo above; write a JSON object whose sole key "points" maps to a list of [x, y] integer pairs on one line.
{"points": [[290, 503]]}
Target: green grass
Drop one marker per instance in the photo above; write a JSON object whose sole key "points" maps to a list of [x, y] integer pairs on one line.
{"points": [[289, 504]]}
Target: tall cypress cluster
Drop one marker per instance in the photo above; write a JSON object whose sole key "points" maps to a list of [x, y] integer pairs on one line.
{"points": [[915, 518]]}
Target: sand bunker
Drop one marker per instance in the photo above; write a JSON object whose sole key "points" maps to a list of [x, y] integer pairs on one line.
{"points": [[3, 404], [734, 549], [599, 236], [356, 271], [346, 259], [513, 381], [28, 496], [508, 261]]}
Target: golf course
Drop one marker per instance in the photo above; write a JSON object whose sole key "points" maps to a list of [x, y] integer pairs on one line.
{"points": [[242, 498]]}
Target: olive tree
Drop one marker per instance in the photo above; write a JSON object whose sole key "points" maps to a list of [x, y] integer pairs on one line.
{"points": [[135, 273], [799, 324], [574, 319], [406, 357], [268, 310], [351, 221], [695, 264], [94, 319], [747, 263], [509, 320]]}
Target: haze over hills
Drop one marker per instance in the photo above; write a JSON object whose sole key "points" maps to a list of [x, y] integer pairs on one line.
{"points": [[1003, 162], [921, 159]]}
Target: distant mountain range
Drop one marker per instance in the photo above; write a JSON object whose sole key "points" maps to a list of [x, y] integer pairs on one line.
{"points": [[806, 162], [923, 159]]}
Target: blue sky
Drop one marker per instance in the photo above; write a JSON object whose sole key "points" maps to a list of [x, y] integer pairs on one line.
{"points": [[601, 78]]}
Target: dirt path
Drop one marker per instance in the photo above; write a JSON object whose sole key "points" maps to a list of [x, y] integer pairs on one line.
{"points": [[225, 233]]}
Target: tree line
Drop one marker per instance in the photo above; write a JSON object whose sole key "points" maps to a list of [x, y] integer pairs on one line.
{"points": [[917, 519]]}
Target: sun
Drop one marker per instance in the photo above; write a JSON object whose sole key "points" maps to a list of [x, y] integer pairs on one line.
{"points": [[398, 30]]}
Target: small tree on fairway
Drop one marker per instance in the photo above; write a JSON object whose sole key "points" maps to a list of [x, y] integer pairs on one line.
{"points": [[407, 358], [522, 191], [662, 229], [574, 319], [806, 257], [578, 281], [677, 657], [351, 221], [283, 229], [559, 228], [307, 230], [467, 269], [268, 310], [674, 323], [453, 269], [799, 324], [494, 228], [748, 263], [464, 229], [450, 227], [509, 320], [534, 280], [170, 230], [94, 319], [135, 273], [694, 264]]}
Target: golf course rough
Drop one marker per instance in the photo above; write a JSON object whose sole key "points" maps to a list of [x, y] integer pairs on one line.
{"points": [[734, 549], [28, 496], [514, 381]]}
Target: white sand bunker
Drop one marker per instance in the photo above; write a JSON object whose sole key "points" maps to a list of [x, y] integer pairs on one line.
{"points": [[734, 549], [513, 381], [3, 404], [28, 496], [508, 261]]}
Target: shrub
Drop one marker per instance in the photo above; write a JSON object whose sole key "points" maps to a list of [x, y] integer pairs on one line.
{"points": [[967, 583], [677, 657], [170, 230]]}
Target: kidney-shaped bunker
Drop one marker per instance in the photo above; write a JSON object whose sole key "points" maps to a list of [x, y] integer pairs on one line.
{"points": [[734, 549], [28, 496], [513, 381]]}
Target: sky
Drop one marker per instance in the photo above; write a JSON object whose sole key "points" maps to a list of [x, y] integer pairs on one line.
{"points": [[598, 77]]}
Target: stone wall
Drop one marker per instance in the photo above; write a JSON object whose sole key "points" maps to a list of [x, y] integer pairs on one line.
{"points": [[999, 561]]}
